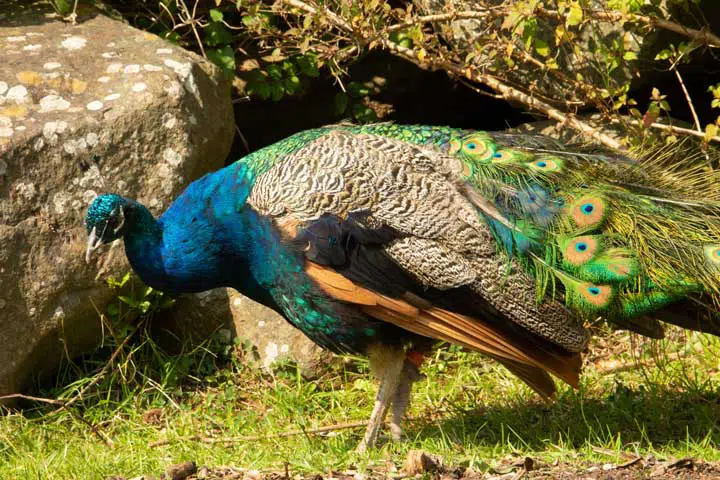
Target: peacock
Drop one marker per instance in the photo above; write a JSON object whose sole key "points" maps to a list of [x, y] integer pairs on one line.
{"points": [[383, 240]]}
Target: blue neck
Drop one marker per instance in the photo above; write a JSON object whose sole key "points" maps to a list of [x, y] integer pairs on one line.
{"points": [[202, 241]]}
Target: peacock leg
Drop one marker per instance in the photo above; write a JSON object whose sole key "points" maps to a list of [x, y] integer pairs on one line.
{"points": [[401, 400], [387, 364]]}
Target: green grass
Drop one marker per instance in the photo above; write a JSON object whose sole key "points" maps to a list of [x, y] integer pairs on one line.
{"points": [[468, 410]]}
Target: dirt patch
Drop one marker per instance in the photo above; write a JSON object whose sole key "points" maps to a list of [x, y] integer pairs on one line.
{"points": [[423, 465]]}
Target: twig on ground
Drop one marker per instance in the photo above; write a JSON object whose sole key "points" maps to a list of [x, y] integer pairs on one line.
{"points": [[104, 438], [20, 396], [253, 438]]}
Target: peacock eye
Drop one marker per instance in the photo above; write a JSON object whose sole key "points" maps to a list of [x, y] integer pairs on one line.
{"points": [[588, 208], [581, 247], [594, 291], [471, 146]]}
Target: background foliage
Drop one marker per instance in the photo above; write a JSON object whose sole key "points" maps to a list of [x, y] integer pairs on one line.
{"points": [[624, 60]]}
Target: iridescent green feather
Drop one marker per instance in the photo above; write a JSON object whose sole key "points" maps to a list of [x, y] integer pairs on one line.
{"points": [[654, 219]]}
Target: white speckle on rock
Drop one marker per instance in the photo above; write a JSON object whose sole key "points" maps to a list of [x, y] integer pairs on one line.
{"points": [[110, 45], [172, 157], [94, 105], [60, 201], [132, 68], [110, 55], [104, 79], [51, 103], [32, 311], [271, 353], [193, 119], [237, 302], [163, 51], [20, 128], [152, 68], [52, 65], [39, 144], [154, 203], [284, 348], [17, 38], [59, 314], [139, 87], [3, 88], [5, 121], [6, 132], [184, 71], [114, 68], [173, 90], [122, 185], [111, 97], [261, 323], [91, 139], [26, 190], [92, 178], [169, 120], [52, 128], [75, 146], [18, 94], [74, 43], [35, 34], [3, 168], [88, 196], [163, 171], [32, 48]]}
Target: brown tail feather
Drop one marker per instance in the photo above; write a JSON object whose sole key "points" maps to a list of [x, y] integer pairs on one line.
{"points": [[527, 357]]}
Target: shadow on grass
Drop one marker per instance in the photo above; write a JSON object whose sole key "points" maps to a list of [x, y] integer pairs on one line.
{"points": [[645, 416]]}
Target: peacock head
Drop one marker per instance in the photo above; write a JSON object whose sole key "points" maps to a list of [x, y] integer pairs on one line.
{"points": [[105, 221]]}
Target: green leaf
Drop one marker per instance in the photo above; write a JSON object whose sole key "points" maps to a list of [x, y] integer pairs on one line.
{"points": [[216, 15], [308, 65], [261, 89], [224, 58], [711, 130], [630, 56], [217, 34], [292, 84], [63, 7], [575, 15], [341, 102], [542, 47], [276, 92], [663, 54], [274, 71]]}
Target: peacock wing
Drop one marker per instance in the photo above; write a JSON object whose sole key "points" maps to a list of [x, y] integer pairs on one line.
{"points": [[393, 218]]}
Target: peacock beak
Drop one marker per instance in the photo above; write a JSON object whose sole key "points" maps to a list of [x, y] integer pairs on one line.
{"points": [[93, 243]]}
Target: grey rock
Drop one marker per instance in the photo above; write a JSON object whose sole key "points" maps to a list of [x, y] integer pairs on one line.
{"points": [[227, 312], [85, 109]]}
